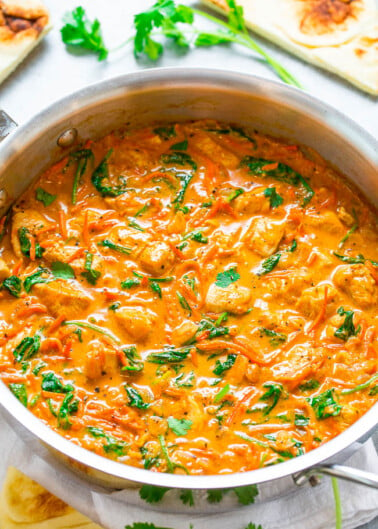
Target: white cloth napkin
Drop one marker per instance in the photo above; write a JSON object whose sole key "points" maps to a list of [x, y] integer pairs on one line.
{"points": [[291, 508]]}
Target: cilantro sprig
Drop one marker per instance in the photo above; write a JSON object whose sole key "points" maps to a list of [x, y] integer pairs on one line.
{"points": [[79, 32]]}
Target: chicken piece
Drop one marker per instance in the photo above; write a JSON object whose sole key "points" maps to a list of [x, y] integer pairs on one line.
{"points": [[234, 299], [213, 150], [94, 362], [59, 252], [184, 332], [264, 236], [345, 217], [177, 224], [290, 287], [358, 283], [136, 321], [251, 203], [157, 258], [63, 297], [301, 361], [130, 238], [326, 221], [311, 301], [30, 219], [4, 270], [236, 374]]}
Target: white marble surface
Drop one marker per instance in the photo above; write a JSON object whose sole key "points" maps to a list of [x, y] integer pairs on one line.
{"points": [[50, 72]]}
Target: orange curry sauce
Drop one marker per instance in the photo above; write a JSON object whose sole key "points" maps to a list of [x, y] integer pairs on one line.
{"points": [[191, 298]]}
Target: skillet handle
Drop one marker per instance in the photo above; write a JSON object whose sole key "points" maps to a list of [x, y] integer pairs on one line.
{"points": [[7, 124], [338, 471]]}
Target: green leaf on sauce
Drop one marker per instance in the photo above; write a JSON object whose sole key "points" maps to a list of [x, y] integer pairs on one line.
{"points": [[130, 283], [165, 133], [347, 329], [19, 391], [67, 408], [37, 277], [50, 382], [62, 270], [222, 393], [113, 444], [181, 146], [359, 259], [224, 279], [82, 156], [309, 384], [25, 243], [179, 426], [13, 284], [363, 386], [276, 338], [27, 348], [268, 265], [135, 398], [273, 394], [90, 274], [169, 356], [101, 175], [325, 405], [221, 367], [275, 199], [234, 194], [44, 197], [106, 243]]}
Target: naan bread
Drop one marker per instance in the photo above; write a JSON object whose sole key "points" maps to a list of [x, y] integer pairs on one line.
{"points": [[23, 23], [24, 504], [338, 35]]}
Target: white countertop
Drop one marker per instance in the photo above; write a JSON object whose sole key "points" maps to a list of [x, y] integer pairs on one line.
{"points": [[50, 72]]}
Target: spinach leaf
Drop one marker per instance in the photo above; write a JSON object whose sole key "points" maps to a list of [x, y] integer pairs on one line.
{"points": [[25, 243], [79, 32], [178, 159], [106, 243], [169, 356], [82, 157], [347, 329], [359, 259], [50, 382], [112, 445], [221, 367], [273, 394], [37, 277], [135, 399], [27, 348], [224, 279], [165, 133], [13, 284], [62, 270], [179, 426], [276, 338], [268, 264], [101, 174], [185, 305], [325, 405], [130, 282], [44, 197], [301, 420], [90, 274], [19, 391], [67, 408], [309, 384], [275, 199], [135, 365], [181, 146]]}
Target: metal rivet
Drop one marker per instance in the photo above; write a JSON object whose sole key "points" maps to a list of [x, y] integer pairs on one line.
{"points": [[314, 481], [3, 197], [67, 138]]}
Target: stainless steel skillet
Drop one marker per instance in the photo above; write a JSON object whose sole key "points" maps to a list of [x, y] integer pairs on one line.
{"points": [[172, 95]]}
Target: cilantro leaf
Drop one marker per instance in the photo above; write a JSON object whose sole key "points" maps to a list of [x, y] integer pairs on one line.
{"points": [[247, 494], [62, 270], [44, 197], [253, 526], [325, 405], [146, 525], [216, 495], [187, 498], [152, 493], [19, 391], [224, 279], [79, 31], [136, 399], [275, 199], [347, 329], [13, 284], [112, 445], [268, 264], [179, 426]]}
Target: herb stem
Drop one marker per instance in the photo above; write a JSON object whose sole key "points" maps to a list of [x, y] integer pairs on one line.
{"points": [[164, 451], [360, 386], [92, 327], [338, 512]]}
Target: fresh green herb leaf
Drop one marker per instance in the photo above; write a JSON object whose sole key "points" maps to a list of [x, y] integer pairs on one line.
{"points": [[19, 391], [275, 199], [67, 408], [13, 284], [246, 495], [359, 259], [79, 334], [114, 306], [301, 420], [106, 243], [222, 393], [130, 283], [234, 194], [133, 224], [152, 494], [185, 381], [276, 338], [165, 133], [181, 146], [197, 236], [224, 279], [361, 387], [374, 391], [178, 159], [253, 526], [50, 382], [221, 367], [136, 399], [185, 305], [179, 426], [135, 365], [25, 243], [146, 525], [37, 277], [216, 495], [142, 210], [325, 405], [347, 329], [38, 368], [92, 327], [101, 175], [82, 156], [90, 275], [169, 356], [309, 384], [273, 394], [27, 348], [187, 498], [155, 287], [293, 246], [171, 466], [79, 32], [62, 270], [268, 264], [352, 229], [112, 445], [44, 197]]}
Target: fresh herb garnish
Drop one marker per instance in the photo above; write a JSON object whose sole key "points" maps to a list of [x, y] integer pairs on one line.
{"points": [[136, 399], [92, 327], [309, 384], [185, 305], [37, 277], [234, 194], [359, 259], [79, 31], [25, 243], [90, 274], [276, 338], [19, 391], [224, 279], [82, 157], [181, 146], [325, 405], [130, 282], [347, 329], [179, 426], [106, 243], [273, 394], [222, 393], [165, 133], [13, 284], [44, 197], [351, 230], [152, 493], [27, 348], [246, 495], [50, 382], [187, 498], [101, 175], [169, 356], [268, 264], [112, 444], [197, 236], [135, 364], [62, 270], [275, 199], [67, 408], [301, 420], [361, 387], [221, 367]]}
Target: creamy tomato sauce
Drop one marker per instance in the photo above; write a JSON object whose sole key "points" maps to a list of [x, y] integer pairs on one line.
{"points": [[191, 298]]}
